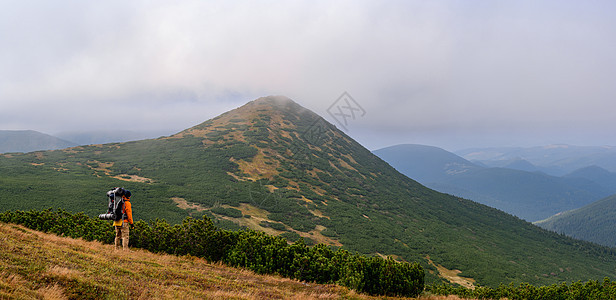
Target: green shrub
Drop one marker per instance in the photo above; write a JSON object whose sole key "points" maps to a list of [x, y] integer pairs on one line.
{"points": [[576, 290], [290, 236], [229, 212], [273, 225]]}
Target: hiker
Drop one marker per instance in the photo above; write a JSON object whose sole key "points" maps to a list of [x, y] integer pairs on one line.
{"points": [[121, 223]]}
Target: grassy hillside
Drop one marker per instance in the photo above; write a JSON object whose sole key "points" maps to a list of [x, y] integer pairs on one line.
{"points": [[35, 265], [44, 266], [272, 165], [593, 222]]}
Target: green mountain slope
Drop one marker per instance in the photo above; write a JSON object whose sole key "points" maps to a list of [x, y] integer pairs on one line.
{"points": [[275, 166], [593, 222], [29, 140]]}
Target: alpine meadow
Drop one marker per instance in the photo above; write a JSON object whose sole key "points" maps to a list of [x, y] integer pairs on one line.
{"points": [[273, 166]]}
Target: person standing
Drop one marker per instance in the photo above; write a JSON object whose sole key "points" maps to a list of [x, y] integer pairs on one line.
{"points": [[124, 224]]}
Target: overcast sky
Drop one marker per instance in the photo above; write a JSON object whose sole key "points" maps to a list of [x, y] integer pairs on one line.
{"points": [[452, 74]]}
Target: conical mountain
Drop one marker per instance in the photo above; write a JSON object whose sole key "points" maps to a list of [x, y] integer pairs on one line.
{"points": [[275, 166]]}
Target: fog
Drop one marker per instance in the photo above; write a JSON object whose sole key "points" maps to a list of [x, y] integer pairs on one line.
{"points": [[452, 74]]}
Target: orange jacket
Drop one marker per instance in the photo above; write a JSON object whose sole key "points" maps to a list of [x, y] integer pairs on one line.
{"points": [[128, 211]]}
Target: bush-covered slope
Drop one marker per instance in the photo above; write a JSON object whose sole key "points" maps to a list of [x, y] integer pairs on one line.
{"points": [[288, 172], [593, 222]]}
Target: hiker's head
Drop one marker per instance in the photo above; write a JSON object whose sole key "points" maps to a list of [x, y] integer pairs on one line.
{"points": [[127, 193]]}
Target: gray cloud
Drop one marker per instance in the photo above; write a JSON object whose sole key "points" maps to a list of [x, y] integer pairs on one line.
{"points": [[447, 72]]}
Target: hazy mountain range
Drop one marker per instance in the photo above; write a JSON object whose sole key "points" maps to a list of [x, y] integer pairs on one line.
{"points": [[109, 136], [528, 194], [275, 166], [557, 160], [30, 140]]}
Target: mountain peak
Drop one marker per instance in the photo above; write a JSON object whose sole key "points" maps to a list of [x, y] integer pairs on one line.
{"points": [[271, 114], [277, 128], [270, 105], [274, 100]]}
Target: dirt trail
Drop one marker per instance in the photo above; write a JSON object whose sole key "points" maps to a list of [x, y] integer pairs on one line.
{"points": [[452, 275]]}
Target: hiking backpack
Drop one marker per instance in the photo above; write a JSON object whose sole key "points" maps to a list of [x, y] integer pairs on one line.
{"points": [[116, 203]]}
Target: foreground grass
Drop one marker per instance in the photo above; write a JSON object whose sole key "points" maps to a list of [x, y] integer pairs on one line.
{"points": [[35, 265]]}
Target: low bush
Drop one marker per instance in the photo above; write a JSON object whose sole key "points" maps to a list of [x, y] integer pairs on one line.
{"points": [[577, 290]]}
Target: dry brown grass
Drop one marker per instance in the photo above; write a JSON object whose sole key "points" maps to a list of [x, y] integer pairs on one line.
{"points": [[259, 166], [54, 292], [133, 178], [258, 215], [35, 265], [453, 275], [183, 204]]}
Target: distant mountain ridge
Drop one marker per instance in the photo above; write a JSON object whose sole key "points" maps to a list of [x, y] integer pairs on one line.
{"points": [[529, 194], [108, 136], [595, 174], [30, 140], [556, 160], [521, 165], [426, 163]]}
